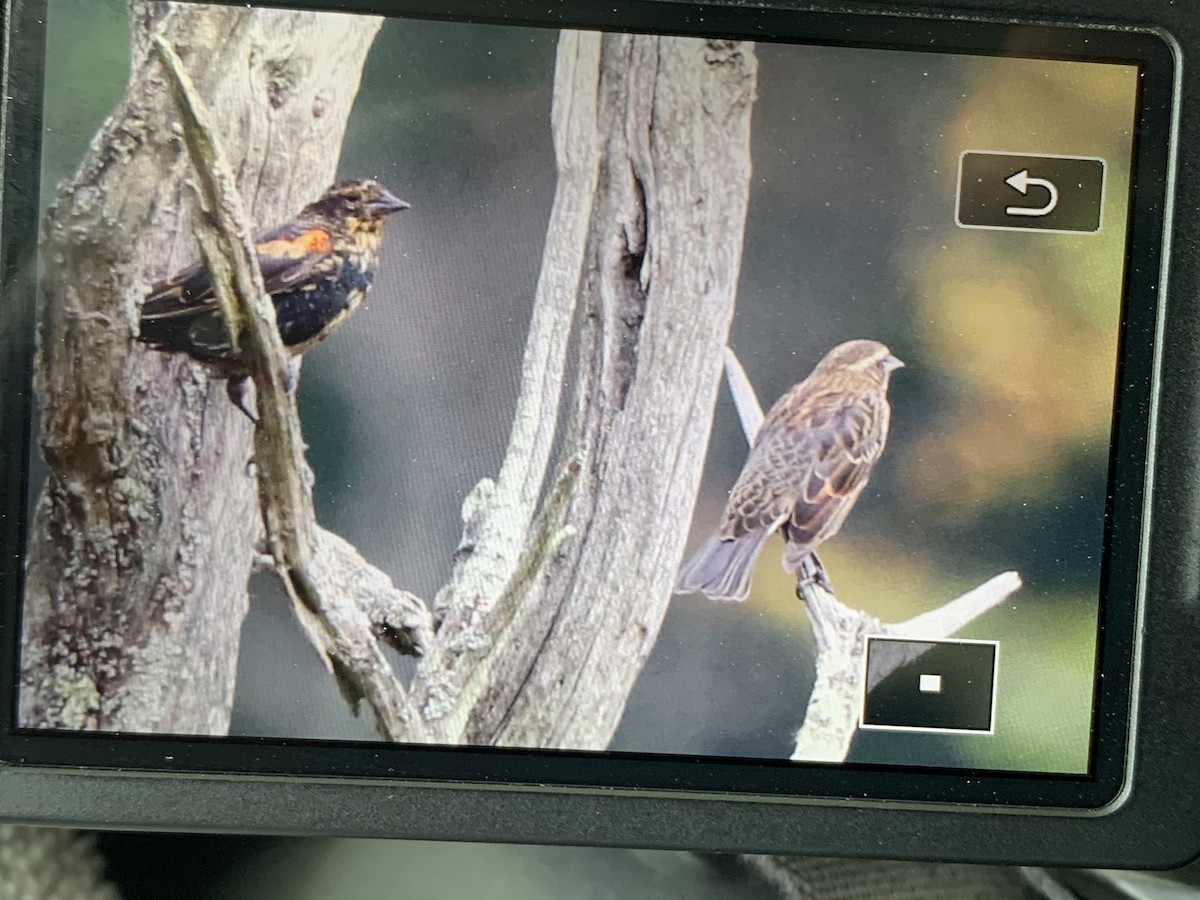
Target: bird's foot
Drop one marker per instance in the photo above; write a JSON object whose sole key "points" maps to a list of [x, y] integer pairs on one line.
{"points": [[812, 573]]}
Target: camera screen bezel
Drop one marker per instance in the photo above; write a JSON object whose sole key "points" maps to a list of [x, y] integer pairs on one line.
{"points": [[776, 781]]}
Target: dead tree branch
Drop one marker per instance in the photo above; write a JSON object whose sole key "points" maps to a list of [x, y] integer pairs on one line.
{"points": [[334, 617], [656, 290], [144, 533], [497, 516], [552, 609], [840, 632]]}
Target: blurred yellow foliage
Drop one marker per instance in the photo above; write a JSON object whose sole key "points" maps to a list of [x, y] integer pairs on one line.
{"points": [[877, 576], [1038, 106], [1033, 383], [1021, 328]]}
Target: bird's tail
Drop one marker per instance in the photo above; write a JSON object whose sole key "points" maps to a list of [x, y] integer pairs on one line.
{"points": [[721, 568]]}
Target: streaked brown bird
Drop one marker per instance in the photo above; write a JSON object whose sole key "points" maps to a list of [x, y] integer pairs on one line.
{"points": [[810, 461]]}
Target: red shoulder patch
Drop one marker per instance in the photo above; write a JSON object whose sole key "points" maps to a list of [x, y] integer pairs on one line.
{"points": [[315, 240]]}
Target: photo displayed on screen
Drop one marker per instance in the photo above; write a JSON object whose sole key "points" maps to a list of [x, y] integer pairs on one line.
{"points": [[660, 395]]}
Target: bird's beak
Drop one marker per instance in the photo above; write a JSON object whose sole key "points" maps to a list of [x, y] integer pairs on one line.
{"points": [[892, 363], [387, 204]]}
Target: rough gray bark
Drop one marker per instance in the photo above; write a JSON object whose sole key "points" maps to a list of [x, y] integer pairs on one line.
{"points": [[499, 516], [832, 717], [657, 288], [554, 606], [144, 534]]}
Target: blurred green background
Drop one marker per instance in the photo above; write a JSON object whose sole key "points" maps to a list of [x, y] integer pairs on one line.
{"points": [[999, 443]]}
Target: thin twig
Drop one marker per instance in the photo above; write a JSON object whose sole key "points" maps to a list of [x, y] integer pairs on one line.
{"points": [[228, 251], [745, 398], [953, 616]]}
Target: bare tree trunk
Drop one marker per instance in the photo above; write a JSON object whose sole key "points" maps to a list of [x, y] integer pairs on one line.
{"points": [[143, 536], [660, 270]]}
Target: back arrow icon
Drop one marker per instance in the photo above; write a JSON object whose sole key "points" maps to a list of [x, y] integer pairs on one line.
{"points": [[1021, 182]]}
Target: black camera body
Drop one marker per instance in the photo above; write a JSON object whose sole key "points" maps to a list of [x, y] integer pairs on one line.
{"points": [[702, 203]]}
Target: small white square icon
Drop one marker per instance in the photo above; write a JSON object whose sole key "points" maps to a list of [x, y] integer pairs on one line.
{"points": [[929, 685]]}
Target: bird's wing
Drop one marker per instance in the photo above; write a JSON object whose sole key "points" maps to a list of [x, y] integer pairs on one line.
{"points": [[832, 464], [809, 463], [286, 255]]}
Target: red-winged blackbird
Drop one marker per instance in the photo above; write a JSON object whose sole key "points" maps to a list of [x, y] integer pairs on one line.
{"points": [[810, 461], [317, 269]]}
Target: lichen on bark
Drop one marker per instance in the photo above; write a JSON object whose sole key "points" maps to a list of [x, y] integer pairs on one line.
{"points": [[143, 535]]}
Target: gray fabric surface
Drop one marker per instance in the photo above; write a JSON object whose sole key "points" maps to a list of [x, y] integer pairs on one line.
{"points": [[53, 864], [50, 864], [851, 879]]}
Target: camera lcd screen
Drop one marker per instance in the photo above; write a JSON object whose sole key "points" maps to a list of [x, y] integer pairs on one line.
{"points": [[708, 399]]}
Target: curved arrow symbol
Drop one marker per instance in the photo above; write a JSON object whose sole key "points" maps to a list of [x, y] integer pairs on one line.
{"points": [[1021, 182]]}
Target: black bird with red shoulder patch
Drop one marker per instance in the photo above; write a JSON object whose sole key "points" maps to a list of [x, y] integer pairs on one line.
{"points": [[317, 269]]}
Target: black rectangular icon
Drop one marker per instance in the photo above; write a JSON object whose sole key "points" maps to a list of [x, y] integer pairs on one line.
{"points": [[1009, 191], [929, 685]]}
